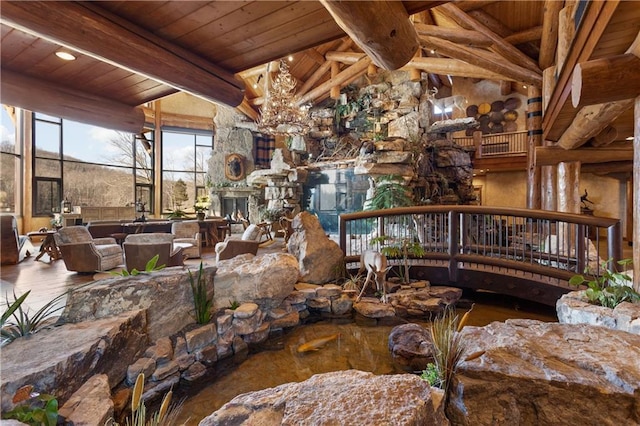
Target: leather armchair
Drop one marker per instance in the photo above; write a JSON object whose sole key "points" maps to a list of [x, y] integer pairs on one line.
{"points": [[81, 253], [14, 248], [232, 247], [188, 231], [140, 248]]}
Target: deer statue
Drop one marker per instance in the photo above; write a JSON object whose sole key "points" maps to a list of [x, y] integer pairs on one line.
{"points": [[376, 265], [457, 101]]}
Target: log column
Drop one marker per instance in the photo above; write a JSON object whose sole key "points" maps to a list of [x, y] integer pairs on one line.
{"points": [[636, 196], [534, 137]]}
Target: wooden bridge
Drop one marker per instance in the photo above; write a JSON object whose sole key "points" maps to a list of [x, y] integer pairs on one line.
{"points": [[529, 254]]}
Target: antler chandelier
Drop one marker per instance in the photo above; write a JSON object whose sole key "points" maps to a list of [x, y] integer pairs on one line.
{"points": [[281, 115]]}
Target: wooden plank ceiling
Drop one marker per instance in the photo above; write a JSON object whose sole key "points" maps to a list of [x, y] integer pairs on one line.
{"points": [[133, 52]]}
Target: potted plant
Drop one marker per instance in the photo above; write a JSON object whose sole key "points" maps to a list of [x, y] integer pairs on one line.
{"points": [[202, 206]]}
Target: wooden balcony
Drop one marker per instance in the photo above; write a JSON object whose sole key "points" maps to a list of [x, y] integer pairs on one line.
{"points": [[500, 151]]}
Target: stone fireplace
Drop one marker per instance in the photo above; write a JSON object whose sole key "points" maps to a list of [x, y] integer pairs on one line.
{"points": [[230, 200]]}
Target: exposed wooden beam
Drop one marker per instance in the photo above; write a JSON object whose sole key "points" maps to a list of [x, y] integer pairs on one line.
{"points": [[115, 41], [549, 37], [590, 121], [607, 136], [322, 69], [316, 56], [455, 35], [621, 74], [37, 95], [443, 66], [247, 109], [468, 5], [500, 46], [483, 58], [525, 36], [382, 29], [345, 76], [552, 155], [593, 24], [608, 168]]}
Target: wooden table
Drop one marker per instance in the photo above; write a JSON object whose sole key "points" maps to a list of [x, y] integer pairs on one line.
{"points": [[48, 245]]}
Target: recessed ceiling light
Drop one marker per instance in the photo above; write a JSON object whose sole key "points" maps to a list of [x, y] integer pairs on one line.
{"points": [[290, 58], [65, 55], [630, 138], [524, 86]]}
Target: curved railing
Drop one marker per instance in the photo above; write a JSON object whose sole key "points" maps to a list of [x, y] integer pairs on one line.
{"points": [[540, 243]]}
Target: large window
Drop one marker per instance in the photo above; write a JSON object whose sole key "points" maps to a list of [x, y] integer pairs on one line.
{"points": [[9, 164], [88, 165], [184, 168]]}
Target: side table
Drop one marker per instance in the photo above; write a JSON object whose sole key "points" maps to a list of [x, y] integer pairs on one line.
{"points": [[48, 245]]}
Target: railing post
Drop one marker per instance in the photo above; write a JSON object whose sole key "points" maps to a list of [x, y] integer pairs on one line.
{"points": [[454, 232], [614, 245], [581, 249], [342, 229]]}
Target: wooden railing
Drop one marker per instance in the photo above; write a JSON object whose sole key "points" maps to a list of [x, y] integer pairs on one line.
{"points": [[514, 143], [549, 244]]}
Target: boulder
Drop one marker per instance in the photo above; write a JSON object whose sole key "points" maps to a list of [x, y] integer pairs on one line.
{"points": [[91, 404], [166, 295], [319, 258], [63, 358], [265, 280], [574, 308], [346, 397], [532, 372], [411, 346]]}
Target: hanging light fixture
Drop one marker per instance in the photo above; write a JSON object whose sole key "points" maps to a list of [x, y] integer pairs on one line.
{"points": [[281, 115]]}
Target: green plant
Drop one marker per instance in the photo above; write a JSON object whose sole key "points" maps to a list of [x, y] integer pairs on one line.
{"points": [[271, 214], [353, 282], [201, 301], [448, 348], [24, 324], [609, 288], [150, 267], [234, 304], [177, 214], [400, 248], [430, 374], [40, 409], [390, 192], [166, 415]]}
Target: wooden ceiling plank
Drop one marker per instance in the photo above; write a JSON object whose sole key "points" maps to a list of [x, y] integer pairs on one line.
{"points": [[144, 53], [500, 46], [270, 44], [501, 29], [455, 35], [482, 58], [468, 5], [382, 29], [549, 40], [37, 95]]}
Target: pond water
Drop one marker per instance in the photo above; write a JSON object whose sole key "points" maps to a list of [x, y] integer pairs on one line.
{"points": [[359, 347]]}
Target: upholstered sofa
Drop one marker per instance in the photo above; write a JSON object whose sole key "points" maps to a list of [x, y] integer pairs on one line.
{"points": [[232, 247], [81, 253], [140, 248], [14, 248]]}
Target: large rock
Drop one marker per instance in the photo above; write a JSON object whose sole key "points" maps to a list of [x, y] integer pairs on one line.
{"points": [[166, 295], [265, 280], [60, 359], [341, 398], [319, 258], [411, 346], [574, 308], [91, 404], [532, 373]]}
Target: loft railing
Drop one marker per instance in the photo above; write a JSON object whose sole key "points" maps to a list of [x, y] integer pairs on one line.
{"points": [[514, 143], [546, 243]]}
